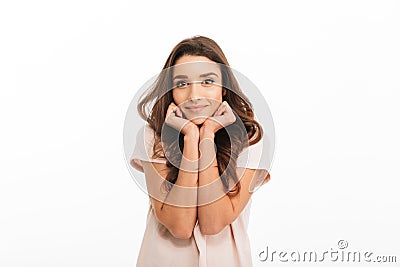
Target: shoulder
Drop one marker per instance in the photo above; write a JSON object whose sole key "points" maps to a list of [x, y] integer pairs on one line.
{"points": [[145, 138], [252, 156], [253, 165], [145, 133], [144, 148]]}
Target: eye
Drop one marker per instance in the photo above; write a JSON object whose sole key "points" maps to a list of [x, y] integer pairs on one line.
{"points": [[181, 83], [208, 82]]}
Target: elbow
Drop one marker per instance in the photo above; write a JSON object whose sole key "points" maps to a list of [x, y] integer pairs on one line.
{"points": [[176, 229], [181, 233], [211, 229]]}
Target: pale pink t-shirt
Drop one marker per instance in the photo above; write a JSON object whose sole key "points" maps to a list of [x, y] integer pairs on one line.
{"points": [[230, 247]]}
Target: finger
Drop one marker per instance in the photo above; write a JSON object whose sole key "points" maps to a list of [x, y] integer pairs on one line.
{"points": [[172, 106], [227, 106], [222, 108], [171, 110], [227, 109], [178, 112], [217, 112]]}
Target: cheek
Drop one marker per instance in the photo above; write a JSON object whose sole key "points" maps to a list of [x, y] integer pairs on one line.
{"points": [[214, 95], [219, 94], [215, 100], [215, 103], [180, 96], [177, 97]]}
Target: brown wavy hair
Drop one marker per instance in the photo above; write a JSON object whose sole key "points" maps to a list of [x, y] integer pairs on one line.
{"points": [[228, 146]]}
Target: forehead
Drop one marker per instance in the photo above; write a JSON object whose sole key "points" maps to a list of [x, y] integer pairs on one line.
{"points": [[196, 68]]}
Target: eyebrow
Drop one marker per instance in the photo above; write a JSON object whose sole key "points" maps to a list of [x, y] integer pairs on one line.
{"points": [[202, 75]]}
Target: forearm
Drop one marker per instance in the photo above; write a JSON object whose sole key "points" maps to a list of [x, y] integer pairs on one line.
{"points": [[180, 204], [214, 205]]}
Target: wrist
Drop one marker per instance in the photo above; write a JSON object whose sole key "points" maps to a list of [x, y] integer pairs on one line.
{"points": [[192, 136], [206, 134]]}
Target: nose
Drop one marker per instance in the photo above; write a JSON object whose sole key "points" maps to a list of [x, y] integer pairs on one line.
{"points": [[195, 91]]}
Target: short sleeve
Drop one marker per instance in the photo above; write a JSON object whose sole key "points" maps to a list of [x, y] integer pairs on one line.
{"points": [[143, 149], [254, 157]]}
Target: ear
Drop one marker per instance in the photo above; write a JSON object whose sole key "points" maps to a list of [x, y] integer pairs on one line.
{"points": [[223, 91]]}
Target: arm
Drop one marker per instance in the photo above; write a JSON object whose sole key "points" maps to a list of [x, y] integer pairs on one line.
{"points": [[215, 216], [168, 207]]}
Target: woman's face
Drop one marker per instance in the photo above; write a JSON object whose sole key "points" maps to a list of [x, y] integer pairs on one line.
{"points": [[197, 87]]}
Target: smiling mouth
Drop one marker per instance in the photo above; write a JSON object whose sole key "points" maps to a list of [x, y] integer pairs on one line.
{"points": [[196, 109]]}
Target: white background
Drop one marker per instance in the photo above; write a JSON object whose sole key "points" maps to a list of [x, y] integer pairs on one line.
{"points": [[329, 71]]}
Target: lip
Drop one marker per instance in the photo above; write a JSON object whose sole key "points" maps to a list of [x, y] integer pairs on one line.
{"points": [[196, 108]]}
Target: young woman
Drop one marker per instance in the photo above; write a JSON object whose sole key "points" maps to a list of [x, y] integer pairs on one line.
{"points": [[191, 152]]}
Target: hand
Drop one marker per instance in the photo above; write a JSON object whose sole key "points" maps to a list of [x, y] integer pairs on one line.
{"points": [[222, 117], [174, 118]]}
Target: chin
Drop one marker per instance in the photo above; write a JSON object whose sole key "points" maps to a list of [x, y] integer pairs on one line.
{"points": [[198, 121]]}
